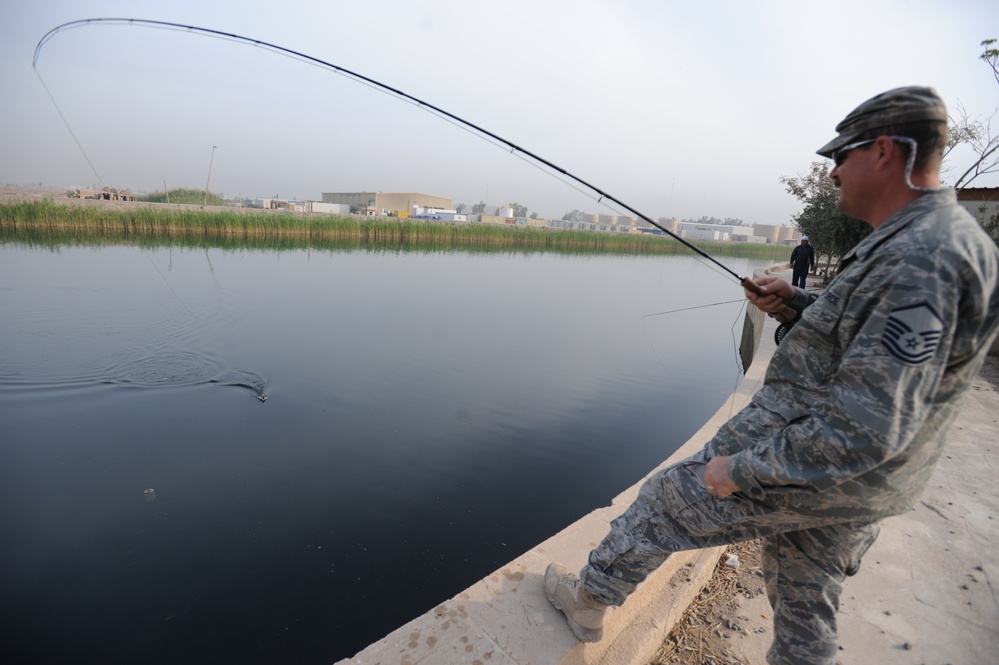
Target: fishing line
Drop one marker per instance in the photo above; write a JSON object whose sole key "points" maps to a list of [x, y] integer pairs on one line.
{"points": [[71, 132], [685, 309], [258, 391], [740, 369], [542, 163], [101, 181], [735, 344]]}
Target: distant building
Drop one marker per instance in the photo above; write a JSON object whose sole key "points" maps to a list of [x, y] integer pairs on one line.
{"points": [[777, 234], [400, 204], [752, 240], [671, 224], [329, 208], [697, 230], [981, 202], [789, 235], [769, 231]]}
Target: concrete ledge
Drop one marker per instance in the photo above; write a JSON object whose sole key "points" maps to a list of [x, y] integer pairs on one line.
{"points": [[505, 618]]}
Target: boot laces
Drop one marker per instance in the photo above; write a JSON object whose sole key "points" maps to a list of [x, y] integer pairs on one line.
{"points": [[570, 581]]}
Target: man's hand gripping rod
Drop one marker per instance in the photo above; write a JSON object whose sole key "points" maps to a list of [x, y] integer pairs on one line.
{"points": [[786, 315]]}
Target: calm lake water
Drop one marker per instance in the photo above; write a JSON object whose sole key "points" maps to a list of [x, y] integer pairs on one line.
{"points": [[429, 417]]}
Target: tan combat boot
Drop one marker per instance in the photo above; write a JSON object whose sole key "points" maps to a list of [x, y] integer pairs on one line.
{"points": [[584, 612]]}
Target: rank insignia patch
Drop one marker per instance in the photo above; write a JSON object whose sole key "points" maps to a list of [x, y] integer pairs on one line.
{"points": [[912, 333]]}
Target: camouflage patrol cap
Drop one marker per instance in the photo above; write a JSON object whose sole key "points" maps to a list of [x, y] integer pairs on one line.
{"points": [[901, 105]]}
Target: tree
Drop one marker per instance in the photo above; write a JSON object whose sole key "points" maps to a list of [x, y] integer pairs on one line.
{"points": [[478, 208], [714, 221], [573, 216], [460, 208], [519, 210], [991, 56], [975, 133], [988, 222], [831, 232]]}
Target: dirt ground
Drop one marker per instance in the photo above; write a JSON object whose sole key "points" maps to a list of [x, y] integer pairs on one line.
{"points": [[29, 193], [725, 612], [733, 604], [990, 371], [10, 193]]}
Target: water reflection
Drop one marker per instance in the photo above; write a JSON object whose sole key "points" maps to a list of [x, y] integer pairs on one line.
{"points": [[430, 417]]}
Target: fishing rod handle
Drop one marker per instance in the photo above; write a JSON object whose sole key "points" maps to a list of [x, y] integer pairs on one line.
{"points": [[786, 315]]}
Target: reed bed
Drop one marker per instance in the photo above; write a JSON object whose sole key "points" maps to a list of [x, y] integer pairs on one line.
{"points": [[184, 195], [48, 223]]}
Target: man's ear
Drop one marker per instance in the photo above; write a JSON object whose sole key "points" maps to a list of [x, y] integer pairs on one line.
{"points": [[887, 150]]}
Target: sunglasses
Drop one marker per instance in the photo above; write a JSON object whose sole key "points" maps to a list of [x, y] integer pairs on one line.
{"points": [[839, 156]]}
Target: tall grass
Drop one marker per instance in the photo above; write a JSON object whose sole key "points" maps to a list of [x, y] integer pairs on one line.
{"points": [[45, 222], [184, 195]]}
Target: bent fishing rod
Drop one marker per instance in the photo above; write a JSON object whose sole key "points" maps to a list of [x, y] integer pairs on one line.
{"points": [[785, 315]]}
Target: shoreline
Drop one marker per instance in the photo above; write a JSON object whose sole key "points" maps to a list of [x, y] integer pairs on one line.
{"points": [[223, 222]]}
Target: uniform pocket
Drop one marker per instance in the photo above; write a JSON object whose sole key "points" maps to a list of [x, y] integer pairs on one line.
{"points": [[687, 499]]}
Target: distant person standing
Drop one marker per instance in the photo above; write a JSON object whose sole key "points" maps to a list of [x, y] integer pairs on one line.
{"points": [[802, 262]]}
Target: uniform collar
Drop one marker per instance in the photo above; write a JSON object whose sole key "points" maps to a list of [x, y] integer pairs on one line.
{"points": [[900, 221]]}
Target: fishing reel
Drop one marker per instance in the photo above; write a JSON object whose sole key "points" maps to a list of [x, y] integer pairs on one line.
{"points": [[782, 331]]}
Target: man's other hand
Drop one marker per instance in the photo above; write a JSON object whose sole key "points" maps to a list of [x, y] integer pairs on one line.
{"points": [[716, 478]]}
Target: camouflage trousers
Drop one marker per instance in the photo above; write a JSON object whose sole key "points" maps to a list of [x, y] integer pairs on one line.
{"points": [[805, 558]]}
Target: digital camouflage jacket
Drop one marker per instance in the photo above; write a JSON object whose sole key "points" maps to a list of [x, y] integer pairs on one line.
{"points": [[858, 397]]}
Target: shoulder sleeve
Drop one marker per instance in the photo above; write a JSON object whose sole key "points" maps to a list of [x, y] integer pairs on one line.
{"points": [[802, 299], [895, 332]]}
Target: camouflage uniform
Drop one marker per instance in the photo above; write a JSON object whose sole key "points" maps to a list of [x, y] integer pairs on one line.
{"points": [[845, 431]]}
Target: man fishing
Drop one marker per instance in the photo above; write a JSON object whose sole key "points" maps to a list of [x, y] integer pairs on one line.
{"points": [[856, 402]]}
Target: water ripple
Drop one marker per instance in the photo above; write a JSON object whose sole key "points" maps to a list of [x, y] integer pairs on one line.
{"points": [[146, 370]]}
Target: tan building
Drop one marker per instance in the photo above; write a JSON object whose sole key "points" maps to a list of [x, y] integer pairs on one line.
{"points": [[788, 235], [387, 203], [671, 224], [769, 231]]}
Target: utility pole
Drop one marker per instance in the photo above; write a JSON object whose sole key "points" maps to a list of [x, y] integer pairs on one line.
{"points": [[210, 162]]}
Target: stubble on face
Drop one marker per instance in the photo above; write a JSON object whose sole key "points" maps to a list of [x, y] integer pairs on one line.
{"points": [[839, 193], [850, 190]]}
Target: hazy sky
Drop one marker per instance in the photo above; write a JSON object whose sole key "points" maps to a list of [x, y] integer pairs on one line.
{"points": [[677, 108]]}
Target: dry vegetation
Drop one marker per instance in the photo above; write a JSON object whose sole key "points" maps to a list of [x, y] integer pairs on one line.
{"points": [[715, 628]]}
